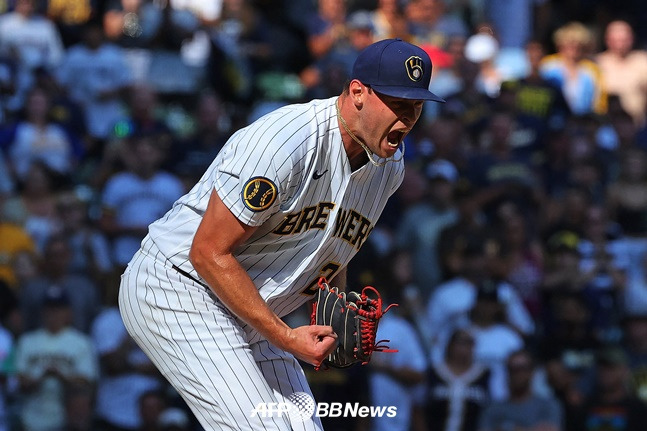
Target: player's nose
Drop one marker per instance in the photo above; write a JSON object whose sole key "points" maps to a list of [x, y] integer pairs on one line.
{"points": [[410, 115]]}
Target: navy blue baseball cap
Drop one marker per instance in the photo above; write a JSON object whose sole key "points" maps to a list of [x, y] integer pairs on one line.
{"points": [[395, 68]]}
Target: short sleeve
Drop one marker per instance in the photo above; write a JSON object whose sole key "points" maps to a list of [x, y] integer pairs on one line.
{"points": [[253, 176], [252, 195]]}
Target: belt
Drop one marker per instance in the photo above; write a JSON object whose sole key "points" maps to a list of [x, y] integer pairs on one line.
{"points": [[186, 274]]}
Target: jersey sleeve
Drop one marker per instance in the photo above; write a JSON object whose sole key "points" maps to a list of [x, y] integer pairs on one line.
{"points": [[254, 175]]}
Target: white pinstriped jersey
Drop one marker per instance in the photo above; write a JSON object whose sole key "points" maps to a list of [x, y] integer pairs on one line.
{"points": [[288, 174]]}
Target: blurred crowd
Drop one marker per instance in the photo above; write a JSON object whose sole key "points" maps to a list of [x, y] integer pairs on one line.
{"points": [[516, 247]]}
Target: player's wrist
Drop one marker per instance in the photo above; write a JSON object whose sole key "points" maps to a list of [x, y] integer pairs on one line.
{"points": [[282, 336]]}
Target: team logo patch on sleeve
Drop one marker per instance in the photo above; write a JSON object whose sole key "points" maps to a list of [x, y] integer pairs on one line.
{"points": [[259, 193]]}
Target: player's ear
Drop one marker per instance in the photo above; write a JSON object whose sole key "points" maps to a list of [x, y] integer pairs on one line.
{"points": [[358, 92]]}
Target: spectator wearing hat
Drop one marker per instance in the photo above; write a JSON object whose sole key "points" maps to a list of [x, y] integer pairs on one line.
{"points": [[613, 403], [421, 224], [51, 361], [522, 409], [482, 48]]}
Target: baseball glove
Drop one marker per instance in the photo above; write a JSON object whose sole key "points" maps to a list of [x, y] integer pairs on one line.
{"points": [[354, 318]]}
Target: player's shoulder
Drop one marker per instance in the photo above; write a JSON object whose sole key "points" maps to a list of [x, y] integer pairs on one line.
{"points": [[295, 122], [291, 130]]}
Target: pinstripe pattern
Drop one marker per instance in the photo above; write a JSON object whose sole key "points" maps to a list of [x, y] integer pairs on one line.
{"points": [[297, 140], [204, 351], [196, 344]]}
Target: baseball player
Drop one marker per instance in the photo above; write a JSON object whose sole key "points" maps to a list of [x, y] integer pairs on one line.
{"points": [[290, 198]]}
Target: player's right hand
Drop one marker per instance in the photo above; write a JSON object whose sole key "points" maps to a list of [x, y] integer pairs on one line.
{"points": [[312, 343]]}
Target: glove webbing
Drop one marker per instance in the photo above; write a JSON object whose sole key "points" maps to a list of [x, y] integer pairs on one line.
{"points": [[368, 323]]}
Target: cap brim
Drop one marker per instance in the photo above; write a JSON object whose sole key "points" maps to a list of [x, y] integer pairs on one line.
{"points": [[407, 93]]}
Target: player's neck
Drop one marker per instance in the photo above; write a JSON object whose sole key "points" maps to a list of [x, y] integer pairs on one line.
{"points": [[358, 160], [356, 154]]}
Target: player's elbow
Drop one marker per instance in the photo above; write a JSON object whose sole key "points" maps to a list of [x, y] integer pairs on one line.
{"points": [[208, 262], [199, 255]]}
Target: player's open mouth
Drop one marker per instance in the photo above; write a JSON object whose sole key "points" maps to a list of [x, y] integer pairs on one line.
{"points": [[394, 138]]}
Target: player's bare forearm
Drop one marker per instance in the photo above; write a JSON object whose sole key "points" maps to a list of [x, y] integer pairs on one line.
{"points": [[234, 288], [219, 233]]}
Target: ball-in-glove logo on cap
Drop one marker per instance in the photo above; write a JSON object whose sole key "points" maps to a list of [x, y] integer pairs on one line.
{"points": [[259, 193], [415, 69]]}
